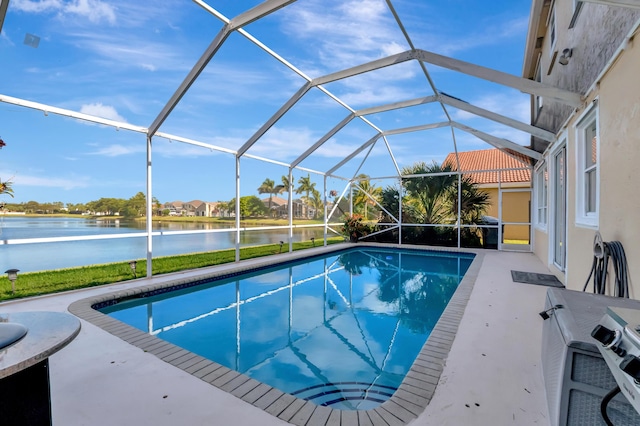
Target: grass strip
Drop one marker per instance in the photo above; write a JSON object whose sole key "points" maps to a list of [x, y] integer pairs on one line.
{"points": [[55, 281]]}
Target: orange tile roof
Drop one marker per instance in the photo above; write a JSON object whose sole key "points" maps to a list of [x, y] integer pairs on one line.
{"points": [[491, 159]]}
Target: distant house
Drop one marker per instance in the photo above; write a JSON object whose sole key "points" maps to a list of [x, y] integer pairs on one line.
{"points": [[211, 209], [174, 207], [280, 208], [509, 187]]}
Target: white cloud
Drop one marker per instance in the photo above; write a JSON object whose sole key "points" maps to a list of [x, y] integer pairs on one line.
{"points": [[439, 36], [94, 10], [349, 33], [281, 144], [34, 6], [51, 182], [104, 111], [117, 150]]}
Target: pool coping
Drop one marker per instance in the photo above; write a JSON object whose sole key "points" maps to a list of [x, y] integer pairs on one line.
{"points": [[412, 397]]}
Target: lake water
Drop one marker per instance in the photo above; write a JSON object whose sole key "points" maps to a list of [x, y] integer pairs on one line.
{"points": [[57, 255]]}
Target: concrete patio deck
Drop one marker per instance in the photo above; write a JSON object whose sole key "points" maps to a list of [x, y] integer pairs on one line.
{"points": [[492, 375]]}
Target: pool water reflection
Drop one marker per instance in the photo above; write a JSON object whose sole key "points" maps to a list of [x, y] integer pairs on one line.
{"points": [[341, 330]]}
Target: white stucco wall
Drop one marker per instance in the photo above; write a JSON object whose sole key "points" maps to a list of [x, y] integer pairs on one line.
{"points": [[618, 99]]}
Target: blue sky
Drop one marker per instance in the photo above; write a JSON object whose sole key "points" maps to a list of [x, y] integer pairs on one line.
{"points": [[123, 60]]}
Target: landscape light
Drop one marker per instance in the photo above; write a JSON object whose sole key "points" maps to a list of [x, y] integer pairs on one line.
{"points": [[281, 243], [133, 264], [12, 274], [313, 241]]}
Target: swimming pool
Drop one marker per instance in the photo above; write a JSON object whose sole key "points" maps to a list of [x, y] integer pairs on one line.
{"points": [[341, 331]]}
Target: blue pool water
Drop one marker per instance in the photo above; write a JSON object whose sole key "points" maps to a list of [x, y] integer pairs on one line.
{"points": [[340, 330]]}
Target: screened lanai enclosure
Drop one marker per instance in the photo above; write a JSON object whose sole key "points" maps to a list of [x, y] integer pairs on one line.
{"points": [[320, 109]]}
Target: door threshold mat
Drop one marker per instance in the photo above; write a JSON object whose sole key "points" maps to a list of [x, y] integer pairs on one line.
{"points": [[535, 278]]}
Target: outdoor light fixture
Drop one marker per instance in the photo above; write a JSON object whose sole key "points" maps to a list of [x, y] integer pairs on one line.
{"points": [[133, 264], [281, 243], [564, 57], [313, 241], [12, 274]]}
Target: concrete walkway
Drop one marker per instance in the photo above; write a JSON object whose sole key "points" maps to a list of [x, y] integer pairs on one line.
{"points": [[492, 376]]}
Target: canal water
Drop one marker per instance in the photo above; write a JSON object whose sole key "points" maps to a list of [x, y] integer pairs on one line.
{"points": [[47, 255]]}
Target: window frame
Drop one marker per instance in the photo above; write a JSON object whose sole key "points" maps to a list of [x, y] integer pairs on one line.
{"points": [[552, 28], [583, 170], [541, 185], [538, 99]]}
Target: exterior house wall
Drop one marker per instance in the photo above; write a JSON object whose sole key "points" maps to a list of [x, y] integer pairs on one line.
{"points": [[619, 121], [515, 208], [599, 32]]}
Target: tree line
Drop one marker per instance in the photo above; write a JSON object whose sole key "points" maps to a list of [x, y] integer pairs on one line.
{"points": [[311, 198], [132, 207]]}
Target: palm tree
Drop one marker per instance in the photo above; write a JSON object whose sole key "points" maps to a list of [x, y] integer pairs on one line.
{"points": [[474, 201], [306, 186], [433, 199], [366, 194], [316, 202], [429, 194], [269, 187], [285, 184], [5, 188]]}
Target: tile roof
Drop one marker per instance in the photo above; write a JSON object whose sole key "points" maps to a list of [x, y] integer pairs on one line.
{"points": [[491, 159]]}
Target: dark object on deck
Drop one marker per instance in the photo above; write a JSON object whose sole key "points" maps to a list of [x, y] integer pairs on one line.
{"points": [[490, 235], [535, 278]]}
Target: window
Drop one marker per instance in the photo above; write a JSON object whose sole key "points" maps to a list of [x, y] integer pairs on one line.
{"points": [[587, 169], [542, 187], [552, 29], [537, 98], [577, 7]]}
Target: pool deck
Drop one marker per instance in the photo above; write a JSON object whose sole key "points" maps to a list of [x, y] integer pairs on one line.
{"points": [[492, 374]]}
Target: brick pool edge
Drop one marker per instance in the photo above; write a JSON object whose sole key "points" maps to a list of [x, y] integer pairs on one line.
{"points": [[412, 397]]}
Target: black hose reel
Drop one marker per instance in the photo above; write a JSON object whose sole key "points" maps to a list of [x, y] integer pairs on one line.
{"points": [[603, 252]]}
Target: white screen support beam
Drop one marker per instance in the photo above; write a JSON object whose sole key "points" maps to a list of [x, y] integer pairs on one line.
{"points": [[190, 79], [498, 142], [369, 66], [3, 11], [416, 128], [499, 77], [353, 154], [323, 139], [274, 118], [257, 12], [47, 109], [465, 106], [245, 18], [396, 105]]}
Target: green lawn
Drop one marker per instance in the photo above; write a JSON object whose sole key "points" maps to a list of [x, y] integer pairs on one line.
{"points": [[46, 282]]}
